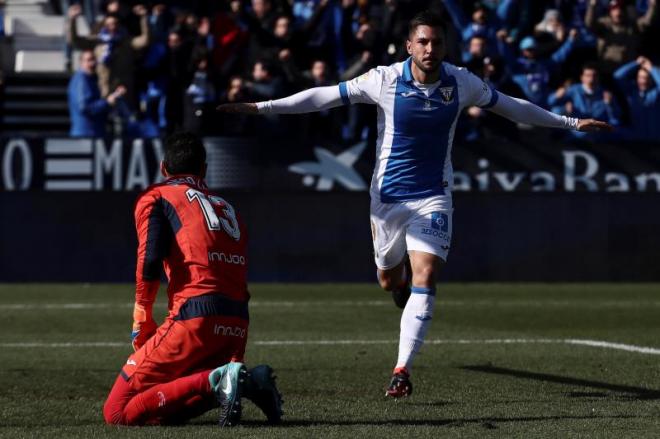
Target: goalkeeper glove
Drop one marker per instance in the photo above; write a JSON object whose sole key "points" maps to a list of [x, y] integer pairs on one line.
{"points": [[144, 326]]}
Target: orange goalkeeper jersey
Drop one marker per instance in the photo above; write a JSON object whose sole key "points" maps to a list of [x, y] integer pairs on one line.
{"points": [[195, 236]]}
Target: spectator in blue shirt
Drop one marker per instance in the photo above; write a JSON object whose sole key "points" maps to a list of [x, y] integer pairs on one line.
{"points": [[480, 25], [586, 100], [643, 96], [531, 73], [88, 110]]}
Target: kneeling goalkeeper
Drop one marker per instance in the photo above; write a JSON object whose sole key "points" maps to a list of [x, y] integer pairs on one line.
{"points": [[193, 362]]}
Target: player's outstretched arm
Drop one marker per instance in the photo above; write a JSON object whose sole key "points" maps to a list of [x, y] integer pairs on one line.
{"points": [[307, 101], [522, 111]]}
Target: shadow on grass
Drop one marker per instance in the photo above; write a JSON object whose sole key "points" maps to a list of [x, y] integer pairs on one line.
{"points": [[630, 392], [486, 422]]}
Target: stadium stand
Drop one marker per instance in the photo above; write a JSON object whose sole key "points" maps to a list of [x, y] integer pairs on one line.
{"points": [[196, 54]]}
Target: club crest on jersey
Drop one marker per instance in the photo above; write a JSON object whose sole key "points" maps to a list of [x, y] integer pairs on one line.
{"points": [[447, 95]]}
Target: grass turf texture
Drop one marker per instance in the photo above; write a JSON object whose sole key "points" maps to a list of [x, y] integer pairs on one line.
{"points": [[461, 390]]}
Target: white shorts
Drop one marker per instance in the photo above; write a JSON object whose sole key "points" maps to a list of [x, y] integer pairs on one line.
{"points": [[421, 225]]}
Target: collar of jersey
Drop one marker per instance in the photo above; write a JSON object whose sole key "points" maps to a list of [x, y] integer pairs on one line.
{"points": [[190, 179], [407, 72]]}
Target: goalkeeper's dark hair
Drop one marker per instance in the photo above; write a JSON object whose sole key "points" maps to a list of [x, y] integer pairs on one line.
{"points": [[425, 18], [184, 154]]}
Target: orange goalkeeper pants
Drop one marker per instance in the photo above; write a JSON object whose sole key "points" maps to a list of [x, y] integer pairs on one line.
{"points": [[168, 376]]}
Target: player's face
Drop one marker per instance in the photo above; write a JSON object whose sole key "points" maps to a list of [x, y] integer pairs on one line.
{"points": [[426, 45]]}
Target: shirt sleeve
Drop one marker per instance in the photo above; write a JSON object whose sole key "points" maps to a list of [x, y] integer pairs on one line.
{"points": [[306, 101], [522, 111], [365, 89], [154, 239], [478, 92]]}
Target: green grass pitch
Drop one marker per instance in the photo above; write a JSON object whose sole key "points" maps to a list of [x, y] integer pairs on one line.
{"points": [[503, 361]]}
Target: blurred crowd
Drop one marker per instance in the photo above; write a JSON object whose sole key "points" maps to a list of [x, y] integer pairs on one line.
{"points": [[148, 69]]}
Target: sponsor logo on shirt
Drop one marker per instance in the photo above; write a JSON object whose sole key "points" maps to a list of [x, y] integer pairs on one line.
{"points": [[229, 331], [227, 258]]}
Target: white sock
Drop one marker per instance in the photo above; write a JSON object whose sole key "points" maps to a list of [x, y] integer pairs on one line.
{"points": [[415, 322]]}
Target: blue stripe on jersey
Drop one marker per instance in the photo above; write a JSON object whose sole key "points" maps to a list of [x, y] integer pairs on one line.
{"points": [[172, 216], [344, 93], [159, 238], [493, 99], [415, 166]]}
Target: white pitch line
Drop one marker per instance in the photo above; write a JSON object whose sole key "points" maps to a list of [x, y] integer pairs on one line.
{"points": [[492, 341], [358, 303], [617, 346], [92, 344]]}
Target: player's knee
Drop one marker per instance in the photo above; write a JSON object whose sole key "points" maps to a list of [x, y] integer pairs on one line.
{"points": [[424, 276], [387, 282], [112, 415]]}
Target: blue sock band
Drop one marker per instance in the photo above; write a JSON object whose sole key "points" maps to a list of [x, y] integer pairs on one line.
{"points": [[422, 290]]}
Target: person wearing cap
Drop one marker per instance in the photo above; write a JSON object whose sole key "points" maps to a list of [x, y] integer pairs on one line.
{"points": [[618, 33], [531, 73]]}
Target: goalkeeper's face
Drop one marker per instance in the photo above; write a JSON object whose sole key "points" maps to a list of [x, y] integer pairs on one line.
{"points": [[426, 45]]}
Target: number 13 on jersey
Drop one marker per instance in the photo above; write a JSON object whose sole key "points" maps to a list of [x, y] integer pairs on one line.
{"points": [[214, 222]]}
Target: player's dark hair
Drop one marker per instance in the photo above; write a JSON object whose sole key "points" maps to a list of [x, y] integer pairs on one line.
{"points": [[425, 18], [184, 154]]}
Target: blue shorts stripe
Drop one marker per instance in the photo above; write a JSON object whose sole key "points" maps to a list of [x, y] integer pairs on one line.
{"points": [[494, 96], [343, 91], [422, 290]]}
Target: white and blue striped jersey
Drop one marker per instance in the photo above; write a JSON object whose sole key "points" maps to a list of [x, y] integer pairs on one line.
{"points": [[416, 124]]}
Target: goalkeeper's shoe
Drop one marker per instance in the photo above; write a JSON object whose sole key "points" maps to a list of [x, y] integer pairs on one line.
{"points": [[228, 384], [400, 386], [402, 293], [261, 390]]}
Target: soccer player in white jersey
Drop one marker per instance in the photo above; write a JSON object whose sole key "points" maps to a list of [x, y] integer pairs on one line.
{"points": [[419, 101]]}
